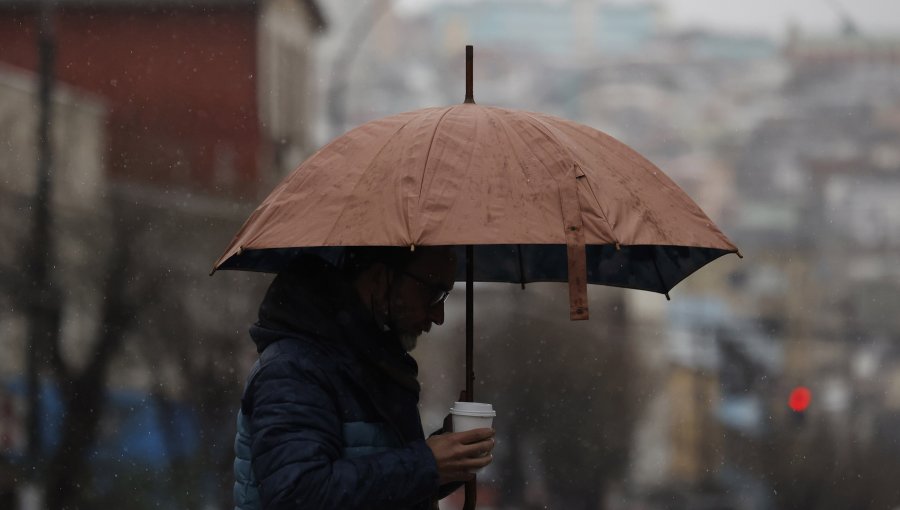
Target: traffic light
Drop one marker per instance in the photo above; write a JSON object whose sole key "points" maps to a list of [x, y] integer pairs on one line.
{"points": [[799, 401]]}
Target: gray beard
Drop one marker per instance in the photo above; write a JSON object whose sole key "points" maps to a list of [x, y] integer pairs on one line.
{"points": [[408, 342]]}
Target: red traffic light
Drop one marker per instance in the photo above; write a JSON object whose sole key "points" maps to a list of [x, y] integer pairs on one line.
{"points": [[800, 398]]}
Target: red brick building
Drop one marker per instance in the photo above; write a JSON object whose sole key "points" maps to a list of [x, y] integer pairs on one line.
{"points": [[208, 95]]}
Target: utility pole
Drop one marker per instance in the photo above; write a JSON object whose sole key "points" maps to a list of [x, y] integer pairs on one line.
{"points": [[43, 316]]}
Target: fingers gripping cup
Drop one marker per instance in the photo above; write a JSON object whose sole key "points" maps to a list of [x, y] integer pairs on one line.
{"points": [[472, 415]]}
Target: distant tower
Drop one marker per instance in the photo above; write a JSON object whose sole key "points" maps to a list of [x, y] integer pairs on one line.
{"points": [[849, 28]]}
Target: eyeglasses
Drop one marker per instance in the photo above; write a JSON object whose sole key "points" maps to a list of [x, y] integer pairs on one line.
{"points": [[438, 294]]}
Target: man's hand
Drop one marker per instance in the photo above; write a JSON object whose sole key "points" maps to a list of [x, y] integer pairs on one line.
{"points": [[458, 454]]}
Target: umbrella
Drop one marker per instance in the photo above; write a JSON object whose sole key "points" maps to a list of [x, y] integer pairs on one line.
{"points": [[531, 197]]}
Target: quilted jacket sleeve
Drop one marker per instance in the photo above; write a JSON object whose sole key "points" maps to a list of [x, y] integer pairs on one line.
{"points": [[296, 450]]}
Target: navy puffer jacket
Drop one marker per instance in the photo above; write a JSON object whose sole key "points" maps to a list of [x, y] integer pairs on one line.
{"points": [[329, 418]]}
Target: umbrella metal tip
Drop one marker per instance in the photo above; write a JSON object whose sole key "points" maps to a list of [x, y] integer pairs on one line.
{"points": [[470, 95]]}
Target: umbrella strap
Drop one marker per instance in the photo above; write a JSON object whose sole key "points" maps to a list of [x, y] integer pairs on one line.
{"points": [[575, 252]]}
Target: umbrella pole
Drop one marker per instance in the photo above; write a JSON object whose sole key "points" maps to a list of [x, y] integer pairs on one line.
{"points": [[470, 373], [470, 96], [471, 486], [470, 258], [470, 325]]}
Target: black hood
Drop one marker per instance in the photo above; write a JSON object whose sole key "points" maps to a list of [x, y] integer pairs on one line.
{"points": [[315, 300], [306, 300]]}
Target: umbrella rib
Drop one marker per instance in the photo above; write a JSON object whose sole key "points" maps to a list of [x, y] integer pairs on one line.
{"points": [[548, 132], [506, 131], [635, 160], [660, 276], [362, 174], [437, 126], [602, 212]]}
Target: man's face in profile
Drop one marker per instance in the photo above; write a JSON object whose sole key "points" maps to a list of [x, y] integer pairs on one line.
{"points": [[418, 292]]}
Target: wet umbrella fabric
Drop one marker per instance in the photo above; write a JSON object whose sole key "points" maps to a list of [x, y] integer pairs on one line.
{"points": [[539, 197]]}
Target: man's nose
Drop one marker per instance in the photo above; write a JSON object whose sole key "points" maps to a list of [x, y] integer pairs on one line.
{"points": [[436, 313]]}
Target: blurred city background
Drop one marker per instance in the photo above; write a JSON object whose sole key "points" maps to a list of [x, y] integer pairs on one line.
{"points": [[137, 135]]}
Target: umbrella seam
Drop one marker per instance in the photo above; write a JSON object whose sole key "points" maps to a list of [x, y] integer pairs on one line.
{"points": [[467, 172], [363, 173], [538, 125], [600, 209], [548, 136], [507, 131], [548, 131], [638, 160], [437, 126], [281, 186]]}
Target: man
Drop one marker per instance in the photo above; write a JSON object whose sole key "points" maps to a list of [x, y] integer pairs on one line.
{"points": [[329, 418]]}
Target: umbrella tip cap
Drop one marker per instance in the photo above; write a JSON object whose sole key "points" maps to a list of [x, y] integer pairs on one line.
{"points": [[470, 57]]}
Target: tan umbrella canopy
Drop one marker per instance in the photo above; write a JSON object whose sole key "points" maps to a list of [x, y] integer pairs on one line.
{"points": [[472, 174], [484, 176]]}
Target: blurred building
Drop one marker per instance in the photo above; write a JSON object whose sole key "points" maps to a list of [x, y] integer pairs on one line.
{"points": [[209, 95], [818, 220], [177, 109], [550, 29], [809, 181]]}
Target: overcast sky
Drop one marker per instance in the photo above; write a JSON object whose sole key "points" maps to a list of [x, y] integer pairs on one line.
{"points": [[761, 16]]}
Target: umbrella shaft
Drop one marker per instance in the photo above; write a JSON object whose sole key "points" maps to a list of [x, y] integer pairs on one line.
{"points": [[470, 96], [470, 324]]}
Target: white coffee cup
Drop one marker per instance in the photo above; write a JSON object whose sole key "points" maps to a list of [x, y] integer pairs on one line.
{"points": [[472, 415]]}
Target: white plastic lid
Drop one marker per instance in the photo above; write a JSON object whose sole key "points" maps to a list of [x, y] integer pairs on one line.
{"points": [[473, 409]]}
